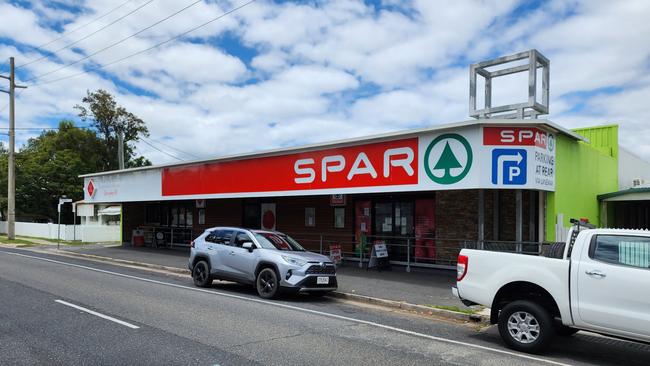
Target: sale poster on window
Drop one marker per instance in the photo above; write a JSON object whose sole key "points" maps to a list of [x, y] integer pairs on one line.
{"points": [[425, 230], [268, 216]]}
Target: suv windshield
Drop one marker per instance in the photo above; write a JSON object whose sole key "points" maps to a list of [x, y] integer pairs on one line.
{"points": [[278, 241]]}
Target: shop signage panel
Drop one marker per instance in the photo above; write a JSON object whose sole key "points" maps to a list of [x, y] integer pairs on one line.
{"points": [[143, 185], [468, 157], [450, 160], [390, 163], [521, 157]]}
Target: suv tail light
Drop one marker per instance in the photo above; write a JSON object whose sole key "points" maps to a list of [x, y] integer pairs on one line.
{"points": [[461, 267], [192, 244]]}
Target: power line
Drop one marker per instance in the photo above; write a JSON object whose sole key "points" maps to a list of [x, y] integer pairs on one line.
{"points": [[47, 128], [146, 49], [115, 43], [173, 148], [91, 127], [162, 151], [88, 35], [83, 26]]}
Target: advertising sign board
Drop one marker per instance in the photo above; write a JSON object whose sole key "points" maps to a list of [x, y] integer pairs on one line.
{"points": [[467, 157]]}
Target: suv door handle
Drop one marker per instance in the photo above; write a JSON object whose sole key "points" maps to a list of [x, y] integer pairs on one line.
{"points": [[232, 252], [596, 272], [210, 247]]}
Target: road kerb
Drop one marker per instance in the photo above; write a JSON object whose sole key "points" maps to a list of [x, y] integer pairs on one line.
{"points": [[402, 305], [391, 304]]}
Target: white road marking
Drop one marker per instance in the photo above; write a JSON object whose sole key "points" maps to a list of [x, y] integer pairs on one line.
{"points": [[118, 321], [296, 308]]}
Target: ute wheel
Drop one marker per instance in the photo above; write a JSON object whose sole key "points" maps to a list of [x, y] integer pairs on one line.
{"points": [[526, 326], [564, 331], [267, 283], [201, 274]]}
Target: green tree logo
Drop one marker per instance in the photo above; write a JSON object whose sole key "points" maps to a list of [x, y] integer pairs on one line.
{"points": [[447, 160]]}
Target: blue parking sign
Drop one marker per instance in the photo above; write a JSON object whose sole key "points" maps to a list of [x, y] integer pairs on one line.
{"points": [[509, 166]]}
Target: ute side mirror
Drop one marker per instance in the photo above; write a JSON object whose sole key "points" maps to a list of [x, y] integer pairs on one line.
{"points": [[248, 245]]}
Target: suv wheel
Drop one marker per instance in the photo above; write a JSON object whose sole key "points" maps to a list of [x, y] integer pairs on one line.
{"points": [[526, 326], [267, 283], [201, 274]]}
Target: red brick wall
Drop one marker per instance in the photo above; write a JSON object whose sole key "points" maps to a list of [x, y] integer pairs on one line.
{"points": [[219, 212], [291, 220], [456, 217]]}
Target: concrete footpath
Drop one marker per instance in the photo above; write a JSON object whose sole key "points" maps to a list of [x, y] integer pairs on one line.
{"points": [[420, 290]]}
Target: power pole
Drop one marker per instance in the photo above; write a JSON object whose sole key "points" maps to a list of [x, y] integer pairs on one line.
{"points": [[11, 191], [120, 149]]}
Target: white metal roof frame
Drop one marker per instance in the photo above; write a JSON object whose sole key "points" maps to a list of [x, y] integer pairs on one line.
{"points": [[353, 141]]}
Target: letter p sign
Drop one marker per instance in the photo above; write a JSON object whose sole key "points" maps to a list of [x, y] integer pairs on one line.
{"points": [[509, 166]]}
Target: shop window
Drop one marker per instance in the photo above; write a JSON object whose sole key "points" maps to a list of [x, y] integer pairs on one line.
{"points": [[174, 214], [310, 216], [152, 213], [189, 217], [252, 215], [181, 216], [339, 217], [404, 218], [202, 216], [393, 218], [383, 218]]}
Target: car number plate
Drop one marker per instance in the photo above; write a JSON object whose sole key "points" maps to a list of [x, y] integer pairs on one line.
{"points": [[322, 280]]}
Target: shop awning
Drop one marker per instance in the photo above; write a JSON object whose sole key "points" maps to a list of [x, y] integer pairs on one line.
{"points": [[632, 194], [110, 210]]}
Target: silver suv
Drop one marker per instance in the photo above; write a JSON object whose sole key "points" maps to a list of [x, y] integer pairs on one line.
{"points": [[269, 260]]}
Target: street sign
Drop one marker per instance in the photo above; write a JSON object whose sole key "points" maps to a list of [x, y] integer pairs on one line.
{"points": [[62, 201], [509, 166]]}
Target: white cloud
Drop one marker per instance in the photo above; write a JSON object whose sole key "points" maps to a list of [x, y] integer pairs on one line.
{"points": [[331, 69]]}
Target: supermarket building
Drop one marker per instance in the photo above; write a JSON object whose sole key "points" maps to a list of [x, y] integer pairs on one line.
{"points": [[426, 193]]}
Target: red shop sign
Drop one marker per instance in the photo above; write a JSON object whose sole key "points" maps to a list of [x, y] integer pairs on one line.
{"points": [[378, 164], [519, 136]]}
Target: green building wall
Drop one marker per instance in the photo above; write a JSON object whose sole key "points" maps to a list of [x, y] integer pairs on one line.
{"points": [[583, 171]]}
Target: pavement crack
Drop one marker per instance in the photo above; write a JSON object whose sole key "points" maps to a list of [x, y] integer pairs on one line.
{"points": [[266, 340]]}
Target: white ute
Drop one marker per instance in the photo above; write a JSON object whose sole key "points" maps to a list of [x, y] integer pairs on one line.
{"points": [[598, 281]]}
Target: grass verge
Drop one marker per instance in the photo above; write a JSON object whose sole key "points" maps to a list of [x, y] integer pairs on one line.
{"points": [[20, 242], [454, 309]]}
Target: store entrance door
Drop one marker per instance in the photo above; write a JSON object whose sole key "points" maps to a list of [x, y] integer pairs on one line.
{"points": [[394, 226]]}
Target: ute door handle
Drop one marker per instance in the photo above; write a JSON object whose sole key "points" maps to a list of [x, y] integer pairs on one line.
{"points": [[596, 272]]}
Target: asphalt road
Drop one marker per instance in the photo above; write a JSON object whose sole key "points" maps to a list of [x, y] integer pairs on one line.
{"points": [[56, 310]]}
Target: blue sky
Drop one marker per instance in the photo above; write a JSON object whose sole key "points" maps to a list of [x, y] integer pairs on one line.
{"points": [[283, 73]]}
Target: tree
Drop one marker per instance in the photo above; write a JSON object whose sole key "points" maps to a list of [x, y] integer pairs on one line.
{"points": [[103, 113], [48, 167]]}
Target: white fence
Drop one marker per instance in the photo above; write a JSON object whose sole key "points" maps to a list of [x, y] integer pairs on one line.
{"points": [[84, 233]]}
